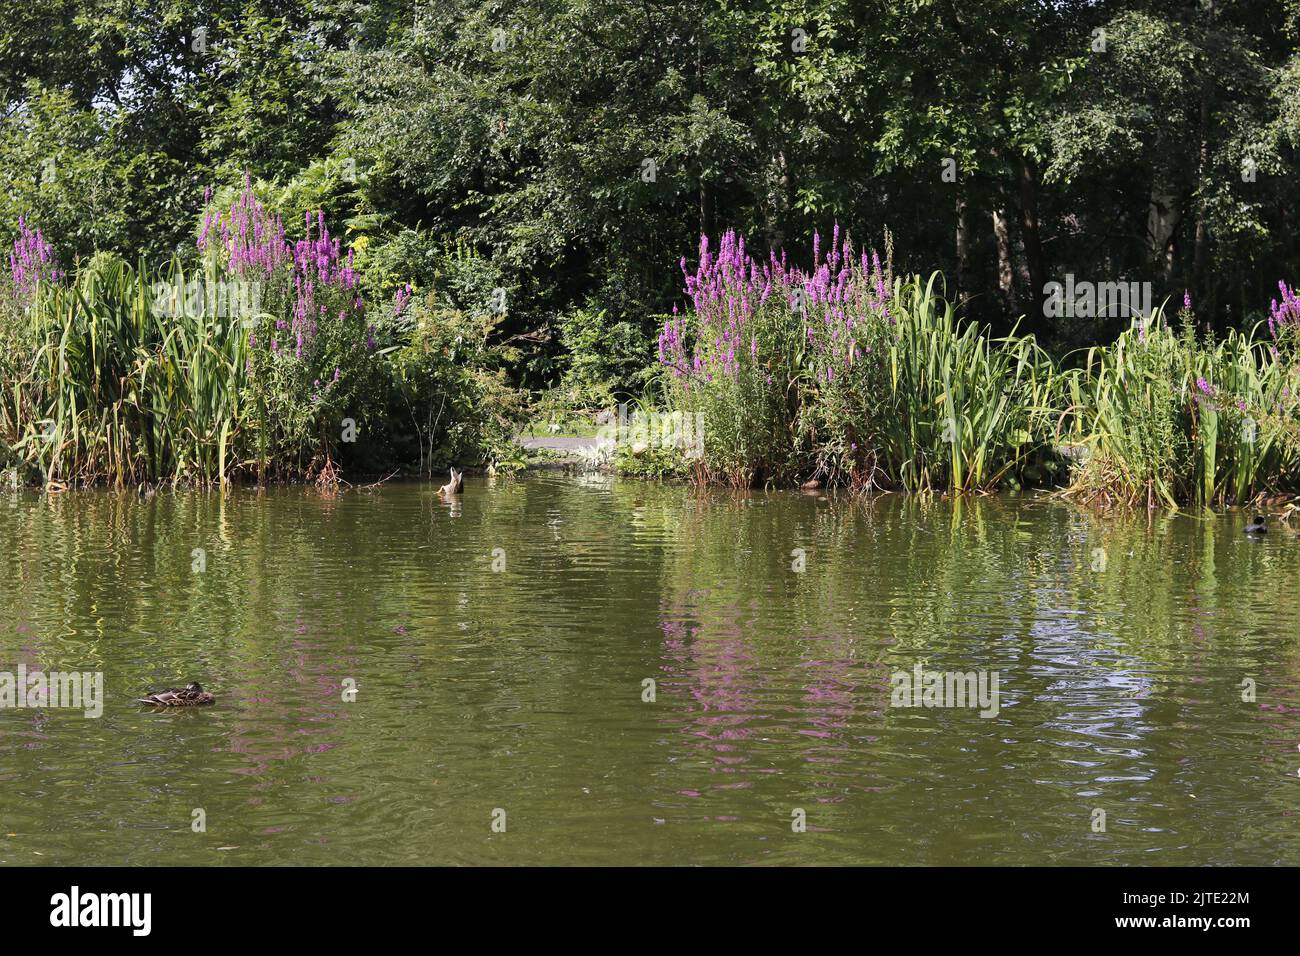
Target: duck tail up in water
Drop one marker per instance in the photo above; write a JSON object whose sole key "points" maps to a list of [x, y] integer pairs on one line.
{"points": [[453, 487]]}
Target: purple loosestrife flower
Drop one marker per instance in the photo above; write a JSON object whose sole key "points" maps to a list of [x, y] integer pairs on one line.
{"points": [[1284, 314], [402, 297], [835, 305], [32, 260], [248, 239]]}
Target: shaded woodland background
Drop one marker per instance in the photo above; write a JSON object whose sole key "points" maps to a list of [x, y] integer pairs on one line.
{"points": [[504, 145]]}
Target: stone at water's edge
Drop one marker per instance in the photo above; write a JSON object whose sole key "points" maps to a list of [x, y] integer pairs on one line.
{"points": [[1079, 453], [569, 443]]}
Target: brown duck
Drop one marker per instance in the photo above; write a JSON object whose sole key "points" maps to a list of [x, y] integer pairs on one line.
{"points": [[452, 487], [191, 695]]}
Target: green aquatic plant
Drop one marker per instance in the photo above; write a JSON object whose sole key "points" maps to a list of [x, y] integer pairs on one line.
{"points": [[104, 382], [1170, 417], [963, 410]]}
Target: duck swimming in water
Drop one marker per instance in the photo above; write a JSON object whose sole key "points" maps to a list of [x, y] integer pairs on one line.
{"points": [[1258, 526], [191, 695]]}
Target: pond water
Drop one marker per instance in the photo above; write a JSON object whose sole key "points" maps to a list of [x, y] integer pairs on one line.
{"points": [[500, 647]]}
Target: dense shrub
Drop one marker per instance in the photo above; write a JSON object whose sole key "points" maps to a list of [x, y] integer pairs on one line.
{"points": [[850, 375], [450, 400]]}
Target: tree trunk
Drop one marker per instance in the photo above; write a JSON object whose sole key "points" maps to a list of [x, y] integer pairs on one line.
{"points": [[704, 207], [1030, 237], [1006, 278], [779, 201], [1200, 251], [965, 283], [1163, 218]]}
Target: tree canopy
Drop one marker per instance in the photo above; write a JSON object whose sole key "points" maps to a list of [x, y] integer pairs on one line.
{"points": [[581, 147]]}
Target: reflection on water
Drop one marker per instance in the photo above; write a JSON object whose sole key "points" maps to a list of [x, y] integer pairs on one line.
{"points": [[1122, 647]]}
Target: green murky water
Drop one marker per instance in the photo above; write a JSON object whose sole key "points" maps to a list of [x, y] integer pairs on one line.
{"points": [[1120, 677]]}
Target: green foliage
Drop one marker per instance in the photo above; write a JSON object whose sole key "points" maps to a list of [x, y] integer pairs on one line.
{"points": [[751, 420], [101, 383], [528, 147], [182, 374], [1169, 418], [328, 185], [259, 86], [939, 404], [927, 403], [63, 166], [302, 400], [606, 359], [657, 462], [448, 385], [408, 256], [462, 162]]}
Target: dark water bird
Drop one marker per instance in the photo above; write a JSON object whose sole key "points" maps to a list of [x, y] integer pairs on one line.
{"points": [[191, 695], [452, 487], [1258, 526]]}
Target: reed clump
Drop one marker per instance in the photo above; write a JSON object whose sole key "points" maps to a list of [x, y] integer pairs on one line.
{"points": [[850, 375], [847, 374]]}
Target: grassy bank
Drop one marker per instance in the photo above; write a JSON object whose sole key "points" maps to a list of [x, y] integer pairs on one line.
{"points": [[267, 356]]}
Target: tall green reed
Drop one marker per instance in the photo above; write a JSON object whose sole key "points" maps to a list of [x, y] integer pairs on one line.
{"points": [[1169, 417], [120, 375]]}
